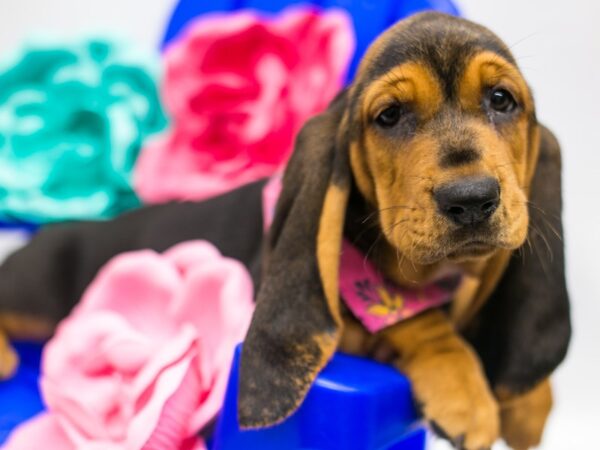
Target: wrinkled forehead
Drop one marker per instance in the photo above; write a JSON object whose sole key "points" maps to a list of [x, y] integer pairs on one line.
{"points": [[442, 44]]}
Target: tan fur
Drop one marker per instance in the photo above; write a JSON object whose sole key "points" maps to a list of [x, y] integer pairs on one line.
{"points": [[524, 415], [9, 360], [463, 299], [410, 82], [487, 69], [488, 279], [404, 178], [329, 242], [362, 175], [354, 339], [532, 158], [447, 378]]}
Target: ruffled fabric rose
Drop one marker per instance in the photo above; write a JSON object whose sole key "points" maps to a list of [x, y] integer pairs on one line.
{"points": [[72, 122], [239, 87], [143, 360]]}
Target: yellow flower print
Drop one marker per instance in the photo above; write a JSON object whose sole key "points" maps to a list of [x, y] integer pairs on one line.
{"points": [[390, 303]]}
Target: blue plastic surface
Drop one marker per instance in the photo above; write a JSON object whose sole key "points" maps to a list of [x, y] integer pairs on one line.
{"points": [[20, 396], [354, 404], [370, 17]]}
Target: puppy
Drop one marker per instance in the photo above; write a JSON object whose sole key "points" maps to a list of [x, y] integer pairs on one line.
{"points": [[435, 145], [431, 162]]}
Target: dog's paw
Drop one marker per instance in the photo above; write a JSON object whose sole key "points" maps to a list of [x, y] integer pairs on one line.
{"points": [[455, 399], [9, 361], [523, 417]]}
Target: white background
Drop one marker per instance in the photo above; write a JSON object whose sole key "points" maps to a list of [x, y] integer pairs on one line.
{"points": [[557, 44]]}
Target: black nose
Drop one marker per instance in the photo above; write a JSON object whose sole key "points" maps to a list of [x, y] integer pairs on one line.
{"points": [[470, 201]]}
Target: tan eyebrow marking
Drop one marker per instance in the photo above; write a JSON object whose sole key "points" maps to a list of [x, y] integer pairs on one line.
{"points": [[411, 82], [488, 69]]}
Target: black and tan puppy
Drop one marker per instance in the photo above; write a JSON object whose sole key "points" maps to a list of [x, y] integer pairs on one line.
{"points": [[431, 160], [437, 142]]}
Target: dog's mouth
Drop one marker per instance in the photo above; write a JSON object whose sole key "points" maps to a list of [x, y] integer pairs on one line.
{"points": [[455, 244], [474, 242], [458, 250], [475, 248]]}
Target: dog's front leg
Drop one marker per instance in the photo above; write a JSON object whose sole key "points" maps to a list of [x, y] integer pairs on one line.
{"points": [[447, 380], [524, 415]]}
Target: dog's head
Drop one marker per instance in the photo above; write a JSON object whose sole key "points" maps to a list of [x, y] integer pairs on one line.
{"points": [[438, 135], [442, 130]]}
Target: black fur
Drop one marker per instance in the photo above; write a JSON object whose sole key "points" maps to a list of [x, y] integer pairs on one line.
{"points": [[47, 277], [458, 157]]}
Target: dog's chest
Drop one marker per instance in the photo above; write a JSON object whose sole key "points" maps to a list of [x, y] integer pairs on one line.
{"points": [[465, 296]]}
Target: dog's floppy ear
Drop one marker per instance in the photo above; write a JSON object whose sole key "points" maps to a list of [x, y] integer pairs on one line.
{"points": [[297, 325], [522, 332]]}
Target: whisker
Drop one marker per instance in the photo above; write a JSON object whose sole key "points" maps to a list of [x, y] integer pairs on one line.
{"points": [[364, 230], [369, 216], [544, 240], [538, 208], [520, 41], [371, 247], [401, 258], [395, 224], [545, 218]]}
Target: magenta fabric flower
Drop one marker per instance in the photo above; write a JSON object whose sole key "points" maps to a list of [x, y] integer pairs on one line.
{"points": [[239, 87], [143, 360]]}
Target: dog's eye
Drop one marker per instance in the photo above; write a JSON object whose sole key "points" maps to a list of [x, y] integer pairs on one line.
{"points": [[389, 116], [502, 101]]}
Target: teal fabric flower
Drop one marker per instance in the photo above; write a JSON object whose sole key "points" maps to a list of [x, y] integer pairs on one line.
{"points": [[72, 122]]}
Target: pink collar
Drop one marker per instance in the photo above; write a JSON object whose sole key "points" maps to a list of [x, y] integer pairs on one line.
{"points": [[374, 300]]}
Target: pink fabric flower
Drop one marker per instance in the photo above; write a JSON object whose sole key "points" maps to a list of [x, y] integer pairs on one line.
{"points": [[239, 87], [143, 361]]}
